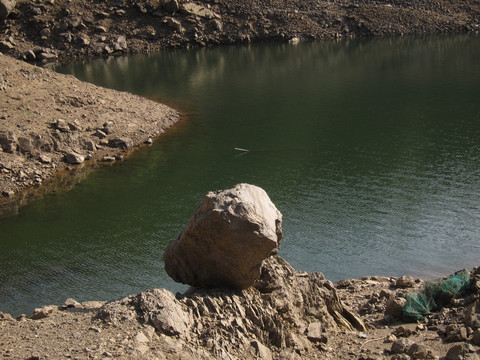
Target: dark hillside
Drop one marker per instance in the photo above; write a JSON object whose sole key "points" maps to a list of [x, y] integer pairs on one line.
{"points": [[61, 29]]}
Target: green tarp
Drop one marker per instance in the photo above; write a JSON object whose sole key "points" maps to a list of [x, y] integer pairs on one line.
{"points": [[436, 295]]}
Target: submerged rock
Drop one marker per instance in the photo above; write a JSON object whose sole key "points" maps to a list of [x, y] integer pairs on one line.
{"points": [[226, 240]]}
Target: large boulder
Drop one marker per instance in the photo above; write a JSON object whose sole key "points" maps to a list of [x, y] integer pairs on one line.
{"points": [[226, 240]]}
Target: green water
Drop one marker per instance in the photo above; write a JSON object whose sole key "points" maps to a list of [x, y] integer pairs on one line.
{"points": [[370, 149]]}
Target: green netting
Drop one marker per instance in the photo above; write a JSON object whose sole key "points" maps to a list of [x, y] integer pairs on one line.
{"points": [[436, 294]]}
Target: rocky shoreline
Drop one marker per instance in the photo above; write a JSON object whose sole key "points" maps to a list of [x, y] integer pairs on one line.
{"points": [[53, 128], [64, 30], [249, 324]]}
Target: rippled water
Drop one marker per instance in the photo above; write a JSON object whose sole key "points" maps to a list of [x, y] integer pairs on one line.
{"points": [[370, 149]]}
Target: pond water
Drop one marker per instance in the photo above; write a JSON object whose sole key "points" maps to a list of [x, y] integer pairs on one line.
{"points": [[370, 149]]}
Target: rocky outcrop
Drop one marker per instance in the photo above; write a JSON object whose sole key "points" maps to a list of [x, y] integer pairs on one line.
{"points": [[284, 310], [226, 240]]}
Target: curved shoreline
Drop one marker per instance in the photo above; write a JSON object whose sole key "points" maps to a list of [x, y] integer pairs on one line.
{"points": [[54, 124], [90, 29]]}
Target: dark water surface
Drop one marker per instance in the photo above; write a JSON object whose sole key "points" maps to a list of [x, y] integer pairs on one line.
{"points": [[370, 149]]}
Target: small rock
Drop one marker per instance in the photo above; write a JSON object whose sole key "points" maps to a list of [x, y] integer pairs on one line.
{"points": [[36, 10], [120, 143], [149, 141], [90, 145], [120, 44], [6, 45], [6, 6], [198, 10], [417, 351], [400, 357], [101, 29], [44, 159], [402, 331], [141, 348], [476, 337], [74, 125], [394, 307], [401, 346], [8, 141], [8, 193], [456, 334], [107, 49], [141, 338], [295, 40], [170, 318], [405, 282], [30, 55], [149, 331], [472, 314], [74, 158], [61, 125], [108, 158], [170, 6], [461, 352], [174, 24], [41, 313], [5, 317], [25, 145], [100, 134], [315, 332], [46, 56], [261, 350], [71, 303], [390, 339]]}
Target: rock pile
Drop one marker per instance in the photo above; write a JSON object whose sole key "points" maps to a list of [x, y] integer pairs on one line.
{"points": [[226, 240], [286, 311]]}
